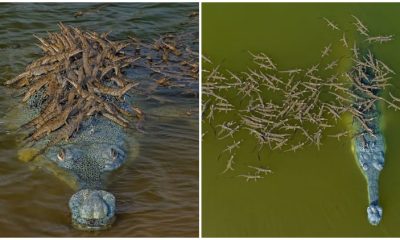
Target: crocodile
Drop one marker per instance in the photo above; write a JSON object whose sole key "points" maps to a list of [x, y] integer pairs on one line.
{"points": [[76, 117], [80, 105], [368, 145]]}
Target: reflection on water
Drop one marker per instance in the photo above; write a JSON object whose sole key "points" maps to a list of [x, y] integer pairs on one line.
{"points": [[311, 193], [157, 193]]}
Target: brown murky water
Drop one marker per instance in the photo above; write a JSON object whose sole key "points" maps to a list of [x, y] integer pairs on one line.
{"points": [[157, 192]]}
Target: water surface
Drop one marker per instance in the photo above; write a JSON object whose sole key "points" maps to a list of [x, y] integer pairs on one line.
{"points": [[157, 192]]}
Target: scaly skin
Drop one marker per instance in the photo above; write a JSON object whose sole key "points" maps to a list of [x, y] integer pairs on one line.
{"points": [[96, 150], [369, 150]]}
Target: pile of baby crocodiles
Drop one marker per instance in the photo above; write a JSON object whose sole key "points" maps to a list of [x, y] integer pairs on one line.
{"points": [[78, 72], [80, 75]]}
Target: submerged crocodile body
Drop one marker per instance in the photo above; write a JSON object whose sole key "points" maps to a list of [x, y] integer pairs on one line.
{"points": [[368, 144]]}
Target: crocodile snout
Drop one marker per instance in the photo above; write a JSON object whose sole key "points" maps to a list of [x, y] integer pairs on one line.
{"points": [[374, 214], [92, 209]]}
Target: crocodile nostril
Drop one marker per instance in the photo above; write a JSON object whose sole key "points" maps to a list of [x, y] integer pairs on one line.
{"points": [[91, 221]]}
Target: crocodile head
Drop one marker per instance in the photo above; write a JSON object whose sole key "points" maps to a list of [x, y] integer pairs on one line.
{"points": [[89, 157], [91, 207]]}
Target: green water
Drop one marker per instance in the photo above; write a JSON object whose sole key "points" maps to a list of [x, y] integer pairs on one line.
{"points": [[311, 193]]}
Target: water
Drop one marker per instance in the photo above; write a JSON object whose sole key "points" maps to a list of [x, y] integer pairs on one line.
{"points": [[157, 192], [311, 193]]}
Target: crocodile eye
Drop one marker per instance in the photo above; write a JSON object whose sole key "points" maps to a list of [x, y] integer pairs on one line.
{"points": [[114, 154], [61, 155]]}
